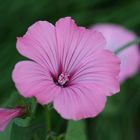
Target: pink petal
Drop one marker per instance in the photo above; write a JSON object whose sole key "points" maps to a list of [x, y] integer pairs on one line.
{"points": [[31, 79], [101, 70], [6, 115], [79, 102], [39, 44], [130, 62], [49, 94], [76, 43], [116, 37]]}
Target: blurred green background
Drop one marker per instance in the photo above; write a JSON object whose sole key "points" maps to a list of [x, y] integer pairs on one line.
{"points": [[121, 117]]}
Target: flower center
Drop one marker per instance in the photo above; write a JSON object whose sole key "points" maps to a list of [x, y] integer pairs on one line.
{"points": [[63, 79]]}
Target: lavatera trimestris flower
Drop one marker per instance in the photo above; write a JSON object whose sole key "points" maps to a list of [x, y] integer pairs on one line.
{"points": [[68, 66]]}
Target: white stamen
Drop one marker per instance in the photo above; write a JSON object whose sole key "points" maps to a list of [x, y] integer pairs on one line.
{"points": [[63, 78]]}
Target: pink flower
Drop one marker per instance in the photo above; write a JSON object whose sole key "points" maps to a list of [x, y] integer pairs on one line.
{"points": [[6, 115], [116, 37], [69, 67]]}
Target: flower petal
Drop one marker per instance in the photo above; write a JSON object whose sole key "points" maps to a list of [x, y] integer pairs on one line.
{"points": [[76, 43], [130, 62], [39, 44], [49, 94], [78, 102], [6, 115], [101, 70], [31, 79]]}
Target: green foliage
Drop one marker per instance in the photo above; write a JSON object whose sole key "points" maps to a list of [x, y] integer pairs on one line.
{"points": [[120, 119], [30, 127], [27, 129]]}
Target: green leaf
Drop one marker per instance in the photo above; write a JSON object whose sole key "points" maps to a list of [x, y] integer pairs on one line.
{"points": [[26, 129], [76, 130]]}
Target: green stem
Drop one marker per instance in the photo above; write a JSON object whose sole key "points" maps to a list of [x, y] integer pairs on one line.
{"points": [[48, 118], [136, 41]]}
